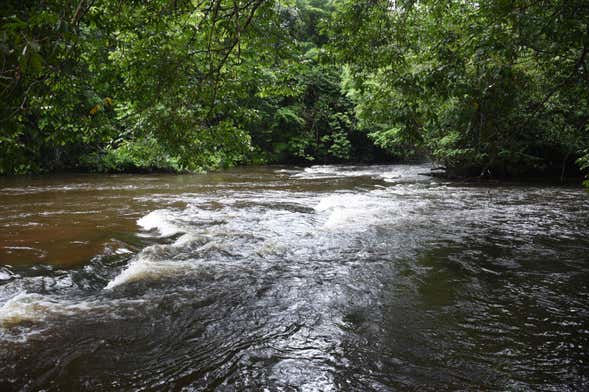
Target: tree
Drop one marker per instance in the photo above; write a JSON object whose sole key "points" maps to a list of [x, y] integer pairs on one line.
{"points": [[494, 87]]}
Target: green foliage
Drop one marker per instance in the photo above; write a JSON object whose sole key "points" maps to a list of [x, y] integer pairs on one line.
{"points": [[302, 114], [584, 164], [56, 106], [79, 80], [144, 154], [490, 87], [496, 86], [104, 85], [312, 122]]}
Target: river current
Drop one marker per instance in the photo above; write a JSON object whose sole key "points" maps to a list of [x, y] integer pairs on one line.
{"points": [[327, 278]]}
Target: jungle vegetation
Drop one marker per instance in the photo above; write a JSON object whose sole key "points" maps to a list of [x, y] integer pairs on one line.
{"points": [[493, 88]]}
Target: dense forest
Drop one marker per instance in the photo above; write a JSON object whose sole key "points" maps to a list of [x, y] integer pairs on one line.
{"points": [[493, 88]]}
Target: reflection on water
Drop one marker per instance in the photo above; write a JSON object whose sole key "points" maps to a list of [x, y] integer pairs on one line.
{"points": [[320, 279]]}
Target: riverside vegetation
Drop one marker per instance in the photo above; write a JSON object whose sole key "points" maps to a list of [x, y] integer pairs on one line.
{"points": [[319, 273], [494, 88]]}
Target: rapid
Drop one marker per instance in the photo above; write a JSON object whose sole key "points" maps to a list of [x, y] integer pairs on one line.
{"points": [[326, 278]]}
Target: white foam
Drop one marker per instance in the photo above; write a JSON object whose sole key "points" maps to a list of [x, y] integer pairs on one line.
{"points": [[123, 251], [26, 314], [145, 268], [36, 307], [338, 171], [154, 261], [136, 270], [356, 211], [158, 261], [19, 248], [185, 240], [387, 173], [320, 171], [161, 220]]}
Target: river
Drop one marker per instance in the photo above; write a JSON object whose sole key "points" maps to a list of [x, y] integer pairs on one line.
{"points": [[327, 278]]}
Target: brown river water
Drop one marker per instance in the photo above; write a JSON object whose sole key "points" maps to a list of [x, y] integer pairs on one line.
{"points": [[328, 278]]}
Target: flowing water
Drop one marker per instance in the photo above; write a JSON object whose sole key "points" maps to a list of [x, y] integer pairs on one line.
{"points": [[329, 278]]}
